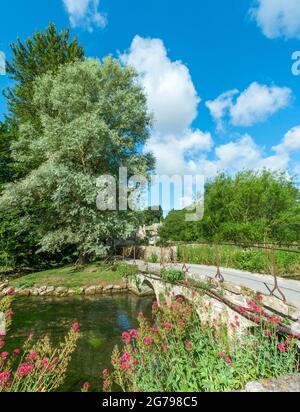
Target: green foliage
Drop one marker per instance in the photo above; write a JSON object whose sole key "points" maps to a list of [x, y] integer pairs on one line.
{"points": [[249, 207], [172, 275], [153, 258], [179, 353], [252, 260], [127, 271], [151, 216], [44, 52], [95, 120]]}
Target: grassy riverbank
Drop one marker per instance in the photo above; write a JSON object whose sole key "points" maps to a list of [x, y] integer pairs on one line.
{"points": [[71, 276]]}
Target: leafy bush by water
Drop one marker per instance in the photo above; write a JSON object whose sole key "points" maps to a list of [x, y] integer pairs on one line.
{"points": [[36, 367], [178, 353]]}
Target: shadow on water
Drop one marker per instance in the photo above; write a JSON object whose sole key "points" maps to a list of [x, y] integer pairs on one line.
{"points": [[102, 321]]}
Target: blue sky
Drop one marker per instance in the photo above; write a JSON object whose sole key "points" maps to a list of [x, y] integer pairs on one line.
{"points": [[217, 73]]}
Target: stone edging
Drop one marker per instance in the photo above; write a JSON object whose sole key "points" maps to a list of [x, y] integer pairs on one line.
{"points": [[63, 291]]}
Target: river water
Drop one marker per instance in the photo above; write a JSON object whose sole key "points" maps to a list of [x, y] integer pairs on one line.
{"points": [[102, 321]]}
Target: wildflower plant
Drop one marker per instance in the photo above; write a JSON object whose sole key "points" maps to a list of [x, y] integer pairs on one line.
{"points": [[36, 367], [178, 353]]}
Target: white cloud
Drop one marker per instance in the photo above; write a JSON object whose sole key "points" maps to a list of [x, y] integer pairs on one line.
{"points": [[253, 105], [85, 13], [181, 149], [278, 18], [290, 142], [173, 100], [219, 107]]}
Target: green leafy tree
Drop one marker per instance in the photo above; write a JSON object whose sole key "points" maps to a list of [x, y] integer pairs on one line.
{"points": [[248, 207], [94, 120], [43, 52]]}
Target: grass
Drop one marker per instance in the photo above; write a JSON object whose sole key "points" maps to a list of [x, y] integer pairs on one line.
{"points": [[73, 277], [252, 260]]}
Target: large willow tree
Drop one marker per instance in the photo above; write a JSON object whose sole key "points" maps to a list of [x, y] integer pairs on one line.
{"points": [[43, 52], [92, 119]]}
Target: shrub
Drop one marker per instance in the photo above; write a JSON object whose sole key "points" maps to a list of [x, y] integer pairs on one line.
{"points": [[36, 367], [178, 353], [153, 258], [127, 271], [172, 275]]}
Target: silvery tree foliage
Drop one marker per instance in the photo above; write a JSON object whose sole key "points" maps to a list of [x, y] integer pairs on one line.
{"points": [[93, 119]]}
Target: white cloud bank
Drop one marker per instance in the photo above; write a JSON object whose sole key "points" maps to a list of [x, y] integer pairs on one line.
{"points": [[173, 100], [85, 14], [254, 105], [181, 149], [278, 18]]}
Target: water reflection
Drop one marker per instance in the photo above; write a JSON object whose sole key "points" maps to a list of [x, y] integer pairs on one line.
{"points": [[102, 321]]}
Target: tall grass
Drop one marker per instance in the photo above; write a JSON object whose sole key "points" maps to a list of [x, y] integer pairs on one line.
{"points": [[250, 259]]}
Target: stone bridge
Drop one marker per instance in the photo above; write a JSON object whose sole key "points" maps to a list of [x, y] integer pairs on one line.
{"points": [[216, 301]]}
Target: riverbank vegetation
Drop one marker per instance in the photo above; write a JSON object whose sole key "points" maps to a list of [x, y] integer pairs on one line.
{"points": [[36, 366], [179, 353], [248, 259], [102, 274]]}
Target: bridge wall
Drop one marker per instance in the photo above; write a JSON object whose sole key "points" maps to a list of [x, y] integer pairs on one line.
{"points": [[213, 311]]}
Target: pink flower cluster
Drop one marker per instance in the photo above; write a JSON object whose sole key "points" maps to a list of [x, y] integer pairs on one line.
{"points": [[127, 361], [4, 377], [24, 369]]}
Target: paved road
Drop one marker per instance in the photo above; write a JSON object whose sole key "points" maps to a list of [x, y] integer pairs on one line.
{"points": [[255, 281]]}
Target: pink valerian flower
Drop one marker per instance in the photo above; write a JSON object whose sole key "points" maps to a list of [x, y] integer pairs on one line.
{"points": [[221, 354], [281, 347], [180, 299], [30, 336], [242, 310], [56, 360], [254, 307], [106, 385], [86, 386], [4, 377], [76, 327], [274, 319], [133, 333], [268, 333], [287, 343], [228, 360], [152, 330], [126, 337], [148, 340], [10, 292], [24, 369], [181, 323], [2, 344], [9, 314], [33, 356], [127, 361], [105, 372], [45, 362], [189, 345], [4, 355], [168, 325], [17, 352], [256, 319], [165, 347]]}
